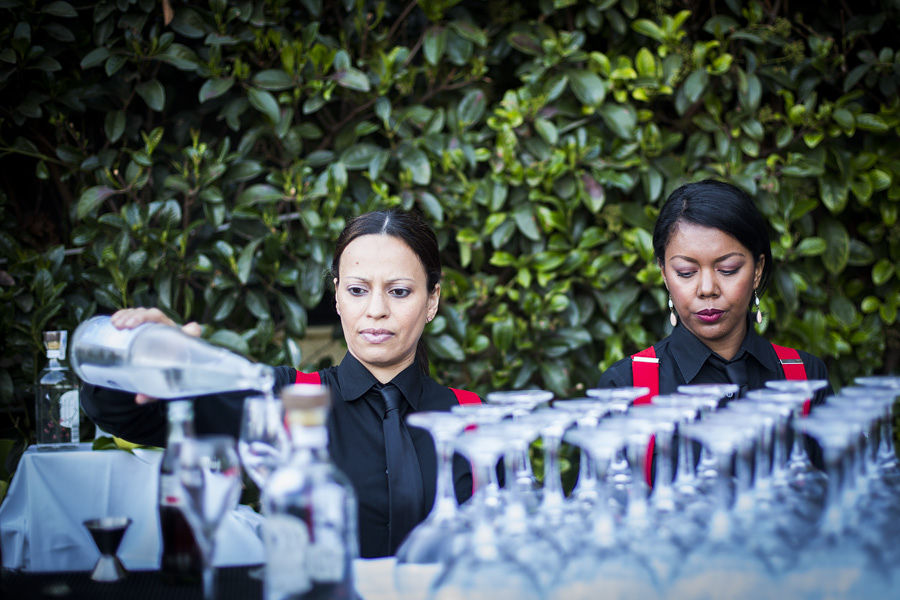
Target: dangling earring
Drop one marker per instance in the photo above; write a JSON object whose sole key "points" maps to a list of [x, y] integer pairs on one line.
{"points": [[673, 318], [758, 309]]}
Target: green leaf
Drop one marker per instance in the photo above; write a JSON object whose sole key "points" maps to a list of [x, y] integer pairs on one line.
{"points": [[883, 271], [94, 58], [645, 63], [843, 310], [649, 28], [695, 84], [231, 340], [260, 193], [152, 93], [273, 79], [91, 198], [245, 261], [213, 88], [811, 246], [265, 103], [435, 44], [471, 108], [114, 125], [359, 156], [417, 162], [60, 9], [546, 130], [622, 120], [446, 347], [838, 245], [870, 122], [353, 79], [526, 222], [587, 87], [502, 332]]}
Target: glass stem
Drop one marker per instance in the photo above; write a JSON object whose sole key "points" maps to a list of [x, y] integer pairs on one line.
{"points": [[663, 494], [445, 505], [554, 497]]}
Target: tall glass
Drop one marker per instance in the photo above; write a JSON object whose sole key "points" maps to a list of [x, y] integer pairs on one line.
{"points": [[210, 474], [485, 569], [263, 443], [435, 540]]}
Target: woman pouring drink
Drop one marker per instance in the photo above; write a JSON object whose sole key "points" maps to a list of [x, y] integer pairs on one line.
{"points": [[386, 271]]}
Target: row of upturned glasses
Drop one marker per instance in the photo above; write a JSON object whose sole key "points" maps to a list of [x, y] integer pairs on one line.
{"points": [[742, 503]]}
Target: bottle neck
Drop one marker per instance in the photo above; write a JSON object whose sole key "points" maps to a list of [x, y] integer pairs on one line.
{"points": [[53, 365], [309, 440], [180, 430]]}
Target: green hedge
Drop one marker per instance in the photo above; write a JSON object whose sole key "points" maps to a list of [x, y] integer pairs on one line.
{"points": [[203, 157]]}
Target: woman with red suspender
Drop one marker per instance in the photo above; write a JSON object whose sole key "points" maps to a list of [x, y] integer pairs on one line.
{"points": [[712, 247], [386, 271]]}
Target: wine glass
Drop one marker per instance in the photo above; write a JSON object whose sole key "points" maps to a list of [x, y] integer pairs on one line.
{"points": [[603, 566], [723, 565], [485, 569], [436, 539], [836, 561], [521, 402], [263, 442], [588, 412], [210, 473]]}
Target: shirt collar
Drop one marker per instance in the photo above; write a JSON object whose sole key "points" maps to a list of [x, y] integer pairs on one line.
{"points": [[356, 380], [691, 354]]}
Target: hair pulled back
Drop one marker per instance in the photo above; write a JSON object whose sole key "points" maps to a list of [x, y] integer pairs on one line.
{"points": [[721, 206], [411, 229]]}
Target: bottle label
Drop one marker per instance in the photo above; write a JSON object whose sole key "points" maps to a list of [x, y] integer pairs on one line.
{"points": [[294, 561], [68, 409], [287, 545], [170, 493]]}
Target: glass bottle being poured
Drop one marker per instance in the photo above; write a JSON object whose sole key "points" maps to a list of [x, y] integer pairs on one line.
{"points": [[160, 361]]}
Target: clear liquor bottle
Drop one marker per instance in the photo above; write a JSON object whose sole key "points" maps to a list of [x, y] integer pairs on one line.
{"points": [[57, 407], [181, 561], [310, 529], [160, 361]]}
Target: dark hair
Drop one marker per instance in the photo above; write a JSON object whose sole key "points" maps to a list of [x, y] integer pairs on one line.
{"points": [[410, 228], [721, 206]]}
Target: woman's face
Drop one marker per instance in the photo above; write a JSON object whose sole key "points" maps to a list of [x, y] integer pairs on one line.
{"points": [[711, 277], [382, 297]]}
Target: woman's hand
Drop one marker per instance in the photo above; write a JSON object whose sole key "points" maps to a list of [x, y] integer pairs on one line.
{"points": [[129, 318]]}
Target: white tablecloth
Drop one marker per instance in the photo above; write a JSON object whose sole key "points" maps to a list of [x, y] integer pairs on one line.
{"points": [[53, 492]]}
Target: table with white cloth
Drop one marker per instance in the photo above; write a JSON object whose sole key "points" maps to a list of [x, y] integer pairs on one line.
{"points": [[54, 491]]}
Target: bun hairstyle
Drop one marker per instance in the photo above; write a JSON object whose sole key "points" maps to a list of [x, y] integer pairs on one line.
{"points": [[411, 229], [721, 206]]}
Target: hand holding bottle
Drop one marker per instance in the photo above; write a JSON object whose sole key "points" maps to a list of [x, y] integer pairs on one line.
{"points": [[140, 350], [129, 318]]}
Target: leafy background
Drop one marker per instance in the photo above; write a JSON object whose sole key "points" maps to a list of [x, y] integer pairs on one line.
{"points": [[202, 157]]}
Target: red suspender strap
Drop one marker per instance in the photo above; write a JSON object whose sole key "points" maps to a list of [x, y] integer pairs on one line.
{"points": [[465, 397], [645, 373], [793, 368], [308, 377]]}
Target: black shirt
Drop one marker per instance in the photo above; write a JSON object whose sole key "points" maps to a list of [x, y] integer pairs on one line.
{"points": [[684, 359], [355, 434]]}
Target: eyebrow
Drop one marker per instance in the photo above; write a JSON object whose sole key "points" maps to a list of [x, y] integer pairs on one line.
{"points": [[717, 260], [389, 281]]}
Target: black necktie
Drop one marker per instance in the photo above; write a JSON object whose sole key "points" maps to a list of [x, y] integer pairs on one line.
{"points": [[735, 371], [405, 490]]}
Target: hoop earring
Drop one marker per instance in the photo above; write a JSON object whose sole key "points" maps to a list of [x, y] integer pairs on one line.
{"points": [[758, 309], [673, 318]]}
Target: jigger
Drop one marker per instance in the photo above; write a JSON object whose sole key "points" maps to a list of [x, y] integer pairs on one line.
{"points": [[107, 533]]}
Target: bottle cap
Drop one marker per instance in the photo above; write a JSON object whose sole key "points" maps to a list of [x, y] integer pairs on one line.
{"points": [[181, 410], [306, 404], [55, 343]]}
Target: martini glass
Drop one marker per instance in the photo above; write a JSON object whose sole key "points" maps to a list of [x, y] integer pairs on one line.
{"points": [[475, 416], [436, 539]]}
